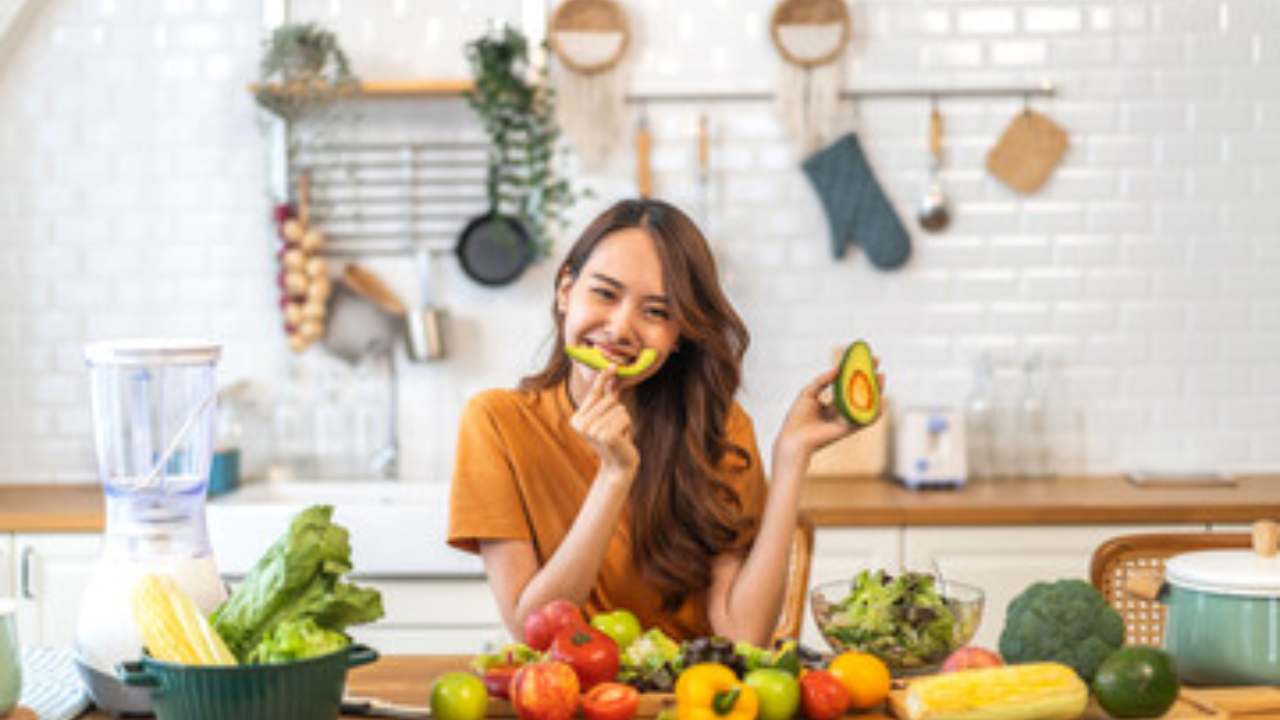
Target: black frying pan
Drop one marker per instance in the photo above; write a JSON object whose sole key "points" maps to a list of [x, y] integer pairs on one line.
{"points": [[495, 249]]}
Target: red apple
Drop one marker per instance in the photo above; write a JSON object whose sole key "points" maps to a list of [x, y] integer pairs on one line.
{"points": [[970, 658], [541, 626]]}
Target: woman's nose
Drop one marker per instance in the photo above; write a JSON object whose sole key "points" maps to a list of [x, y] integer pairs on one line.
{"points": [[621, 325]]}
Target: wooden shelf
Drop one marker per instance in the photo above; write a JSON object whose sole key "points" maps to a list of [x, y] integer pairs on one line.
{"points": [[406, 88]]}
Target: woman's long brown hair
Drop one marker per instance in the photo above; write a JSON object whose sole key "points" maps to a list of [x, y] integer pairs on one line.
{"points": [[682, 513]]}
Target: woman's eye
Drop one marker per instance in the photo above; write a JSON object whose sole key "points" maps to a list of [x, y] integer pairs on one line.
{"points": [[605, 293], [659, 313]]}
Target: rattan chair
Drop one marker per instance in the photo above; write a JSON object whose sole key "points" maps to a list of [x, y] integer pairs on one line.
{"points": [[797, 582], [1117, 558]]}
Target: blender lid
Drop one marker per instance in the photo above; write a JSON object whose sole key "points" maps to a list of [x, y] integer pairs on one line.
{"points": [[152, 351], [1225, 572]]}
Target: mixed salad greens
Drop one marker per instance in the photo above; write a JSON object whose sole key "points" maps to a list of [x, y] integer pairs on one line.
{"points": [[902, 619]]}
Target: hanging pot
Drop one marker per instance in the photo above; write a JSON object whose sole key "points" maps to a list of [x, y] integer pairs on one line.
{"points": [[494, 249], [1223, 614]]}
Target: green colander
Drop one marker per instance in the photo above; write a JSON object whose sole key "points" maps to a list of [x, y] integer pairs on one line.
{"points": [[308, 689]]}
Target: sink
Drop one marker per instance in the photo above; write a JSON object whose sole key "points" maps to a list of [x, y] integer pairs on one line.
{"points": [[397, 529]]}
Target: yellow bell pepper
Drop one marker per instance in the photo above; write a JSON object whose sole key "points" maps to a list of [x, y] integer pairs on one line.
{"points": [[710, 691]]}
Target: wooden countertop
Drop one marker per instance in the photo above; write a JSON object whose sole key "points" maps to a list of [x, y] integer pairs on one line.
{"points": [[854, 501], [1068, 500], [51, 508], [406, 680]]}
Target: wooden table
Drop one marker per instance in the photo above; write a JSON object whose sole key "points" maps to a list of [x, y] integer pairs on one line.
{"points": [[404, 679]]}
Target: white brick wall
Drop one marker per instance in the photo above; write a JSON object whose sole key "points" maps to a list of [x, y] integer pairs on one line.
{"points": [[132, 200]]}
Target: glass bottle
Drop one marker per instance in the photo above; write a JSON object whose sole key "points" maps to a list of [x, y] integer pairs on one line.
{"points": [[978, 420], [1034, 438]]}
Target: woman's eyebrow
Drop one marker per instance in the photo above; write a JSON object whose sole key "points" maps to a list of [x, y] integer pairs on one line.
{"points": [[618, 285]]}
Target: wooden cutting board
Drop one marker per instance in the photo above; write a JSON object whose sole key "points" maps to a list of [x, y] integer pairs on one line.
{"points": [[1254, 703]]}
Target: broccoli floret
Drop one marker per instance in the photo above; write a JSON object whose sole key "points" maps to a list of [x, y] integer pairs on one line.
{"points": [[1067, 621]]}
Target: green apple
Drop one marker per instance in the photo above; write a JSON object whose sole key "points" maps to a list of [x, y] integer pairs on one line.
{"points": [[458, 696], [778, 691], [621, 625]]}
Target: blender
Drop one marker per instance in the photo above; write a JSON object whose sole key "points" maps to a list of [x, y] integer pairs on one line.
{"points": [[153, 409]]}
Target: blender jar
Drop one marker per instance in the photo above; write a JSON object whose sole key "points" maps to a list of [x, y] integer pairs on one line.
{"points": [[153, 411]]}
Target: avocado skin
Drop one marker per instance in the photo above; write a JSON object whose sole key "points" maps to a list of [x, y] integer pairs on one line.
{"points": [[856, 358]]}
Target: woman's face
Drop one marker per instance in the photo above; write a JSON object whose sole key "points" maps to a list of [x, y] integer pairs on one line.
{"points": [[619, 304]]}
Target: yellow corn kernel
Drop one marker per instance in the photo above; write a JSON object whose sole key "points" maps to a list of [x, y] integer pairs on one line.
{"points": [[171, 626], [1033, 691]]}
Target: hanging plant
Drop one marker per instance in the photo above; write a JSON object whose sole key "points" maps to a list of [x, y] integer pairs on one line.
{"points": [[303, 69], [519, 118]]}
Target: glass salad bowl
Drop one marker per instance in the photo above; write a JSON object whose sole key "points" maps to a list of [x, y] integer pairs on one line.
{"points": [[911, 621]]}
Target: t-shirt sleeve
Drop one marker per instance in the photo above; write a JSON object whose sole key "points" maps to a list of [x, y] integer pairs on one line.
{"points": [[747, 479], [484, 498]]}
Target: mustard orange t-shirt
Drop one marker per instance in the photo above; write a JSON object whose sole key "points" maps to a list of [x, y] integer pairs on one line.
{"points": [[522, 473]]}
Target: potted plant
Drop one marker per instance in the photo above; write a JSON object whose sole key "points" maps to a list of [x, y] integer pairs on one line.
{"points": [[303, 68], [519, 117]]}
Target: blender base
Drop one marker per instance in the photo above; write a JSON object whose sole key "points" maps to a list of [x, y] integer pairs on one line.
{"points": [[111, 695]]}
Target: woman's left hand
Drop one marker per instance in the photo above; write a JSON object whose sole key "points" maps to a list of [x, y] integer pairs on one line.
{"points": [[811, 423]]}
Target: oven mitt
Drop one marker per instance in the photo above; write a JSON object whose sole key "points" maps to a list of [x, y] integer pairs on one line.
{"points": [[857, 209], [1027, 152]]}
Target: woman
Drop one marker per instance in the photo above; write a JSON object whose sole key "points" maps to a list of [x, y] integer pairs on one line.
{"points": [[644, 492]]}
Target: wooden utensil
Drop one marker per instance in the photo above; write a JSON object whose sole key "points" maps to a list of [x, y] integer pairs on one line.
{"points": [[934, 214], [371, 287], [1027, 152], [644, 147]]}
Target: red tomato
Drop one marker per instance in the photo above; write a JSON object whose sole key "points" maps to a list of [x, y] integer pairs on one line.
{"points": [[497, 680], [541, 626], [822, 695], [592, 654], [545, 691], [610, 701]]}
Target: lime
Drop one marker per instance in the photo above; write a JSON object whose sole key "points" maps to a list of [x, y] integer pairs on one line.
{"points": [[778, 691], [458, 696], [1137, 681]]}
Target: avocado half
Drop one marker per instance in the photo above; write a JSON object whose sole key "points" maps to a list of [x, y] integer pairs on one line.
{"points": [[594, 359], [856, 388]]}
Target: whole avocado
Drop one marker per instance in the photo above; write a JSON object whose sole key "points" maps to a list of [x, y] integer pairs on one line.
{"points": [[1066, 621], [1136, 681]]}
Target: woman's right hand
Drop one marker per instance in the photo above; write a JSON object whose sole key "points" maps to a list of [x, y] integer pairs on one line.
{"points": [[604, 422]]}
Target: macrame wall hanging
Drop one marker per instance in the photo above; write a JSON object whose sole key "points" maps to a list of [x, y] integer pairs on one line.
{"points": [[811, 36], [589, 39]]}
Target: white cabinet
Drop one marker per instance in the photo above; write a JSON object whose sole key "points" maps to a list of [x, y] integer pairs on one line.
{"points": [[6, 565], [50, 572], [433, 616], [839, 553], [1003, 561]]}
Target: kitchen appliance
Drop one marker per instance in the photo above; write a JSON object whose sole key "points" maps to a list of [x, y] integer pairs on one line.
{"points": [[1223, 611], [153, 409], [929, 447]]}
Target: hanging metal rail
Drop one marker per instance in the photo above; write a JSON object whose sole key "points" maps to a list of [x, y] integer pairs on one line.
{"points": [[1043, 89]]}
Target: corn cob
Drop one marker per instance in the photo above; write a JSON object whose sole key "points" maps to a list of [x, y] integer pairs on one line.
{"points": [[172, 628], [1034, 691]]}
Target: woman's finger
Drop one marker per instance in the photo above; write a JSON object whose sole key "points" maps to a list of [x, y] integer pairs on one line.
{"points": [[602, 406], [822, 380]]}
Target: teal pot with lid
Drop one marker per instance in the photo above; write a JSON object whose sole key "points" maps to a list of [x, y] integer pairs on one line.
{"points": [[308, 689], [1223, 621]]}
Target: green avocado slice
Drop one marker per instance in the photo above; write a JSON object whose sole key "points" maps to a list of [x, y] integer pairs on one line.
{"points": [[856, 388], [594, 359]]}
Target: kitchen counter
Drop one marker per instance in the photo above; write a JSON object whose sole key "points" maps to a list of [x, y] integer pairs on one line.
{"points": [[1067, 500], [854, 501], [51, 508]]}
